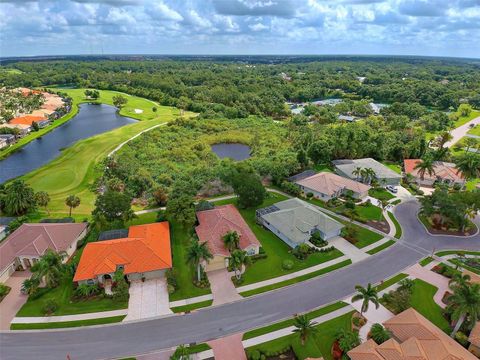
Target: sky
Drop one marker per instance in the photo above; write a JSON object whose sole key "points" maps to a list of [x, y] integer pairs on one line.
{"points": [[390, 27]]}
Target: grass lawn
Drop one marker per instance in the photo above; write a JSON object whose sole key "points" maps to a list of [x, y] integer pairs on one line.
{"points": [[365, 237], [318, 344], [67, 324], [381, 247], [297, 279], [62, 295], [323, 168], [398, 228], [457, 252], [422, 301], [389, 282], [465, 266], [380, 194], [426, 261], [475, 130], [191, 307], [276, 249], [392, 166], [74, 171], [472, 184], [464, 119]]}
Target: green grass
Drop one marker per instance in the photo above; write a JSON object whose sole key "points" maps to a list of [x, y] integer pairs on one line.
{"points": [[74, 171], [426, 261], [464, 119], [369, 212], [323, 168], [67, 324], [191, 307], [286, 323], [465, 266], [365, 237], [318, 344], [276, 249], [475, 130], [147, 218], [472, 184], [457, 252], [396, 202], [392, 166], [380, 194], [296, 280], [62, 295], [389, 282], [381, 247], [422, 301], [398, 228]]}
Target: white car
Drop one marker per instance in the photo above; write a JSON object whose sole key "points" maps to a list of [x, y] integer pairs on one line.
{"points": [[391, 188]]}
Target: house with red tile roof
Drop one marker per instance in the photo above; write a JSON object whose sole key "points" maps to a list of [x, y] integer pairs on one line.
{"points": [[41, 121], [444, 172], [28, 243], [214, 224], [144, 254], [413, 337]]}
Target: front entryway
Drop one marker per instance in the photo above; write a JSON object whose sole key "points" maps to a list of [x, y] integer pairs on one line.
{"points": [[148, 298]]}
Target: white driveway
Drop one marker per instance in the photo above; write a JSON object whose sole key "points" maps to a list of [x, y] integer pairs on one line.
{"points": [[148, 299], [461, 131], [350, 251]]}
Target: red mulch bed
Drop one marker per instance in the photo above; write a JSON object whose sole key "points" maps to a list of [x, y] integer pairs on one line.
{"points": [[435, 231], [288, 355], [379, 225]]}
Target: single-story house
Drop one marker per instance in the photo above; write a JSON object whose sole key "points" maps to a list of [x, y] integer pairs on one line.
{"points": [[444, 172], [22, 128], [384, 175], [300, 176], [474, 339], [41, 121], [144, 254], [348, 118], [29, 242], [214, 224], [6, 140], [325, 186], [413, 337], [294, 221]]}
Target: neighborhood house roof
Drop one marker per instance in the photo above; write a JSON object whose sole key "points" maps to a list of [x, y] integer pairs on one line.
{"points": [[303, 175], [414, 337], [474, 337], [347, 166], [27, 120], [147, 248], [330, 184], [215, 223], [34, 239], [296, 218], [442, 170]]}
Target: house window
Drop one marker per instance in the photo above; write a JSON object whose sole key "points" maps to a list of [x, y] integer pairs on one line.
{"points": [[90, 282], [120, 267]]}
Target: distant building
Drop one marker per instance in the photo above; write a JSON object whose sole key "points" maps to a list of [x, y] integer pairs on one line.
{"points": [[41, 121], [22, 128], [324, 102], [348, 118], [6, 140], [384, 175]]}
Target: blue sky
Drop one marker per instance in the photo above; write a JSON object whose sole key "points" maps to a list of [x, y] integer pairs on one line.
{"points": [[420, 27]]}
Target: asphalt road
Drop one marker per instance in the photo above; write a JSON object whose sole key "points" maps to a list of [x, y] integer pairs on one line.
{"points": [[122, 340]]}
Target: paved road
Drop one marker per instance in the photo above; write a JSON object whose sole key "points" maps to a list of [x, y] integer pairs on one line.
{"points": [[112, 341], [461, 131]]}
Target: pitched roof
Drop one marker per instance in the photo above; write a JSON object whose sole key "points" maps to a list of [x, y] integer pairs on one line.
{"points": [[414, 337], [34, 239], [27, 120], [474, 337], [215, 223], [330, 184], [303, 175], [443, 170], [147, 248], [347, 166], [295, 219]]}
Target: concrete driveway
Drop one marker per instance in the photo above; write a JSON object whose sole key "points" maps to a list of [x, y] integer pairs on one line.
{"points": [[148, 299], [223, 290], [14, 300], [461, 131], [351, 251]]}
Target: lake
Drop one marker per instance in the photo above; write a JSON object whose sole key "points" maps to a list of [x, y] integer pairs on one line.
{"points": [[234, 151], [91, 120]]}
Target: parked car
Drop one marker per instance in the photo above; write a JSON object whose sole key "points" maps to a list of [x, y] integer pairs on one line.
{"points": [[391, 188]]}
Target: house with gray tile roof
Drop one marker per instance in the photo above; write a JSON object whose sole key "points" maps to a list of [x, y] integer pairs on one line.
{"points": [[384, 175], [294, 221]]}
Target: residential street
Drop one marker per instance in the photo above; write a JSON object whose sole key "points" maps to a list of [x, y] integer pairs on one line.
{"points": [[121, 340], [461, 131]]}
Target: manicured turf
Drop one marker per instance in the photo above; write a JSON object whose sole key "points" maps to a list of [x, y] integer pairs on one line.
{"points": [[67, 324], [297, 279], [369, 212], [422, 301], [475, 131], [365, 237], [286, 323], [398, 228], [380, 194], [390, 282], [323, 168], [426, 261], [456, 262], [276, 249], [457, 252], [318, 344], [74, 171], [472, 184], [392, 166], [191, 307], [464, 119], [147, 218], [381, 247], [63, 297]]}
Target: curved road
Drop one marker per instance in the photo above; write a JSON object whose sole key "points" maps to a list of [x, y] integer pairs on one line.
{"points": [[121, 340]]}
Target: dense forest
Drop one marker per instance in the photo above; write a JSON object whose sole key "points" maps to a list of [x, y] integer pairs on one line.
{"points": [[241, 87]]}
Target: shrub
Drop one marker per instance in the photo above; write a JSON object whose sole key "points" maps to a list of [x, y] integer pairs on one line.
{"points": [[172, 282], [4, 290], [309, 195], [287, 264], [379, 334], [255, 355], [349, 204], [461, 338], [204, 205], [301, 251], [290, 188], [50, 307], [161, 216]]}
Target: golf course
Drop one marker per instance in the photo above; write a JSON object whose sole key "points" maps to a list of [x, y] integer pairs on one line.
{"points": [[75, 170]]}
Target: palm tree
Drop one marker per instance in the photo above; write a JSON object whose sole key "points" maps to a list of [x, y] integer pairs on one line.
{"points": [[85, 290], [443, 138], [181, 353], [304, 327], [347, 340], [358, 172], [50, 268], [367, 295], [237, 259], [42, 199], [196, 253], [469, 214], [30, 286], [458, 279], [469, 165], [465, 302], [379, 334], [425, 166], [19, 198], [231, 240], [72, 202], [370, 175]]}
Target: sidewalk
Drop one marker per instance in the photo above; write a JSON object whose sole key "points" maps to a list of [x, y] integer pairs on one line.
{"points": [[351, 251]]}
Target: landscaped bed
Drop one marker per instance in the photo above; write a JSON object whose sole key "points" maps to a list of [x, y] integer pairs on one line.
{"points": [[469, 230]]}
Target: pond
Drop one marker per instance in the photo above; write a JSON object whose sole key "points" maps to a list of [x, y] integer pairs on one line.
{"points": [[232, 150], [91, 120]]}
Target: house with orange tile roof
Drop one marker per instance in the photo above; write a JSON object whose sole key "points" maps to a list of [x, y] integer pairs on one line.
{"points": [[474, 339], [325, 186], [444, 172], [214, 224], [413, 337], [41, 121], [144, 254]]}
